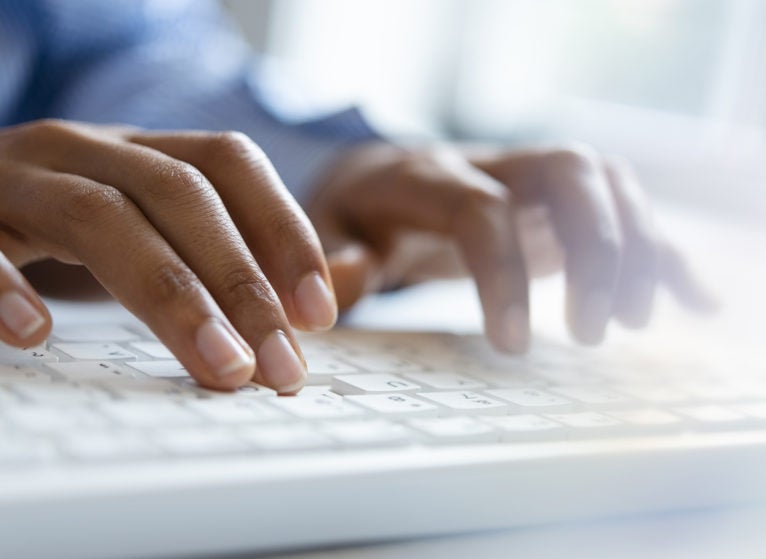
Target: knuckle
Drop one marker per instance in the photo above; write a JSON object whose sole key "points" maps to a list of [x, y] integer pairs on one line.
{"points": [[576, 158], [178, 181], [171, 284], [233, 145], [247, 285], [88, 204]]}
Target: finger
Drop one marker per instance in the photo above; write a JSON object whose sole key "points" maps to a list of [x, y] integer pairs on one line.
{"points": [[640, 258], [186, 211], [353, 264], [262, 209], [85, 221], [676, 273], [443, 194], [585, 219], [24, 319]]}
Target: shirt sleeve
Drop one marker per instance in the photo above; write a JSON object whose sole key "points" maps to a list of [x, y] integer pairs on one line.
{"points": [[170, 65]]}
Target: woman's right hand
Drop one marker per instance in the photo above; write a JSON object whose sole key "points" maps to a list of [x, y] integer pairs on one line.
{"points": [[193, 232]]}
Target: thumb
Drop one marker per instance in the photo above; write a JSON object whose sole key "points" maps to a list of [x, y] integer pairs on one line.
{"points": [[354, 270]]}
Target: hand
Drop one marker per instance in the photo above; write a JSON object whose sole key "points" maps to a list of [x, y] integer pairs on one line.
{"points": [[389, 216], [193, 232]]}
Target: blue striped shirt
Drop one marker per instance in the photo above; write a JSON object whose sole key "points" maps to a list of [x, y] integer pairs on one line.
{"points": [[160, 64]]}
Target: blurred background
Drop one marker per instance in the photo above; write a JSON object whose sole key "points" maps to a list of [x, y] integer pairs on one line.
{"points": [[678, 86]]}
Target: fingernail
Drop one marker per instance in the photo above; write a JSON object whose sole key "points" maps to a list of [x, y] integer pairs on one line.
{"points": [[594, 314], [516, 328], [280, 365], [19, 315], [316, 302], [223, 354]]}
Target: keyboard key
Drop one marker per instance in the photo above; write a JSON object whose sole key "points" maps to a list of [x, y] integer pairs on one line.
{"points": [[47, 419], [527, 427], [235, 411], [94, 351], [90, 371], [286, 437], [371, 383], [753, 410], [382, 363], [395, 405], [376, 432], [649, 420], [169, 368], [199, 441], [108, 445], [324, 406], [466, 402], [13, 355], [452, 430], [712, 417], [154, 349], [141, 415], [323, 366], [60, 394], [654, 393], [18, 452], [594, 397], [589, 424], [531, 399], [445, 381], [22, 373], [92, 333]]}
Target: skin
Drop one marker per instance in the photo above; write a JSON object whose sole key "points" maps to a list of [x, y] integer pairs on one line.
{"points": [[195, 233]]}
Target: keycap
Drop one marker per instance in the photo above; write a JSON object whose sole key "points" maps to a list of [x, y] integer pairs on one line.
{"points": [[466, 402], [526, 427], [382, 363], [199, 441], [108, 445], [318, 407], [395, 405], [371, 383], [654, 393], [445, 381], [154, 349], [90, 371], [713, 391], [60, 393], [18, 451], [594, 397], [713, 417], [450, 430], [236, 410], [143, 414], [375, 432], [23, 373], [44, 419], [169, 368], [648, 420], [13, 355], [286, 437], [588, 424], [148, 388], [531, 399], [753, 410], [95, 351], [322, 367], [92, 333]]}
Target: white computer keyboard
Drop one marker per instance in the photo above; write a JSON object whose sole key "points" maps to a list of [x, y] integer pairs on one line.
{"points": [[114, 393]]}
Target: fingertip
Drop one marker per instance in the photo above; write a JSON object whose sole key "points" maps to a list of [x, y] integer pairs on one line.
{"points": [[315, 302], [509, 331], [24, 321], [588, 315], [351, 269]]}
